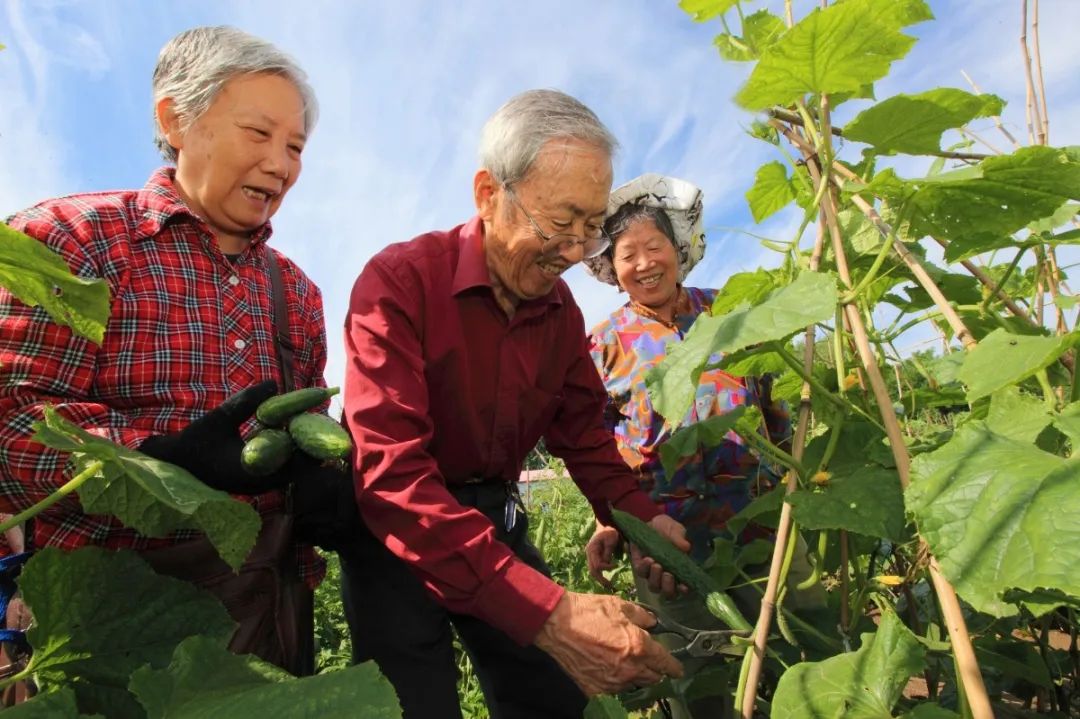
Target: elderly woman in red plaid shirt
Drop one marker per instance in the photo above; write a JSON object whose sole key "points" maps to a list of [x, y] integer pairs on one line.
{"points": [[192, 281]]}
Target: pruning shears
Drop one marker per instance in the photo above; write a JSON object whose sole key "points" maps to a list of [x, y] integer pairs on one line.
{"points": [[700, 643]]}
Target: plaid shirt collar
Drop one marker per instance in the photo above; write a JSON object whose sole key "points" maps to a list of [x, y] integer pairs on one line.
{"points": [[158, 203]]}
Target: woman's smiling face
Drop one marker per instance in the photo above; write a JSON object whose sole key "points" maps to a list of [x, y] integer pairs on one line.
{"points": [[647, 265]]}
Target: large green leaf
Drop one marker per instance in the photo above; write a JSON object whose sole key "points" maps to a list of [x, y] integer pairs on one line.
{"points": [[1016, 415], [930, 710], [745, 287], [152, 497], [687, 441], [204, 681], [1002, 358], [998, 514], [840, 49], [810, 298], [59, 704], [1068, 423], [604, 707], [914, 123], [759, 31], [862, 493], [772, 191], [99, 615], [40, 277], [865, 500], [702, 10], [978, 208], [861, 685]]}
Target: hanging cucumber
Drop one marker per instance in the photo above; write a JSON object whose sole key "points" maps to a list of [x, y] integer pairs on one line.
{"points": [[276, 411], [320, 436], [266, 452], [685, 569]]}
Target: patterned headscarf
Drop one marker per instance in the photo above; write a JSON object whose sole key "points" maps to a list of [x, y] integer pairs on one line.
{"points": [[679, 199]]}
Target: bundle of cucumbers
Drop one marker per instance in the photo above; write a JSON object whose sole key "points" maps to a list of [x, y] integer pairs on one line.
{"points": [[287, 425]]}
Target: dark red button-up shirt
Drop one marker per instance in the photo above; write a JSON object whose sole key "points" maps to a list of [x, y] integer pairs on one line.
{"points": [[441, 387], [186, 329]]}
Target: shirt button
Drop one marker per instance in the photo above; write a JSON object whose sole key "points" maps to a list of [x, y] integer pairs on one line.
{"points": [[239, 344], [234, 280]]}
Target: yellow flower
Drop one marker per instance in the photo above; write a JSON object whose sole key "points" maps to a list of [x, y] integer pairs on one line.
{"points": [[821, 478], [889, 580]]}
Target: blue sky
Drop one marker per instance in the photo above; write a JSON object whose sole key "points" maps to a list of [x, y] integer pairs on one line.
{"points": [[405, 86]]}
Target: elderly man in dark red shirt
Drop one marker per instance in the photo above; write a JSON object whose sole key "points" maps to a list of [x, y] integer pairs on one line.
{"points": [[463, 349]]}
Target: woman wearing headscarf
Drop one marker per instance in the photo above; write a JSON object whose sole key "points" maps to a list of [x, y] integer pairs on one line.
{"points": [[656, 239]]}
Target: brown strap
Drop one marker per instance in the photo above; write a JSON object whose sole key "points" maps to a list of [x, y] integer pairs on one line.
{"points": [[283, 347]]}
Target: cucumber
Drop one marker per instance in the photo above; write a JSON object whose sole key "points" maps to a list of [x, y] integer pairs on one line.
{"points": [[276, 411], [266, 452], [685, 569], [320, 436]]}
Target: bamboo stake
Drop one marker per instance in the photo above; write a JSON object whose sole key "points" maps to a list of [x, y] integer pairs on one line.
{"points": [[783, 530], [1035, 133], [952, 615], [996, 118], [1041, 86]]}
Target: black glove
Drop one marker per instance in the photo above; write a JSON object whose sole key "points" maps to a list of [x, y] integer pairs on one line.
{"points": [[324, 503], [210, 446]]}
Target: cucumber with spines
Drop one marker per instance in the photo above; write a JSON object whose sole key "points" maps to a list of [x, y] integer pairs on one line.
{"points": [[266, 452], [320, 436], [685, 569], [276, 411]]}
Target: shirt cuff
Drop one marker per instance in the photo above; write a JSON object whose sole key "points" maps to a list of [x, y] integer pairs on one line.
{"points": [[639, 505], [518, 600]]}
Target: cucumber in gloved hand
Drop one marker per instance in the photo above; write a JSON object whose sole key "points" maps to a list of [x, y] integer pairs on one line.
{"points": [[266, 452], [320, 436], [276, 411]]}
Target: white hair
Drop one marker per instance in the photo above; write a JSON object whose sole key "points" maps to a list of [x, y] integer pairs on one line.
{"points": [[514, 135], [194, 66]]}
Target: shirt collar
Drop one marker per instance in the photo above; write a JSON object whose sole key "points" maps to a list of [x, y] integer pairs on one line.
{"points": [[472, 270], [158, 203], [682, 308]]}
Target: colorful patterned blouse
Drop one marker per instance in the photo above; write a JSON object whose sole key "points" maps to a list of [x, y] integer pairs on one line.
{"points": [[713, 485]]}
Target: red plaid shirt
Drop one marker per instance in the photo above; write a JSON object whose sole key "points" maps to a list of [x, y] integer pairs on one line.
{"points": [[187, 328]]}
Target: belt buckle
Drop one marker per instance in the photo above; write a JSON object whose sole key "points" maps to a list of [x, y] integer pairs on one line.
{"points": [[473, 480]]}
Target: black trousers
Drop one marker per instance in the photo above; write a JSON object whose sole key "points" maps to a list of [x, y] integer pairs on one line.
{"points": [[396, 622]]}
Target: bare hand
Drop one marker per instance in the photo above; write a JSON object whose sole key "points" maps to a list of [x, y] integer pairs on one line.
{"points": [[599, 552], [650, 570], [600, 642]]}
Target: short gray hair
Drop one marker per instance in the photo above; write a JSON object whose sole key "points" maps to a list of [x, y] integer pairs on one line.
{"points": [[513, 137], [194, 66]]}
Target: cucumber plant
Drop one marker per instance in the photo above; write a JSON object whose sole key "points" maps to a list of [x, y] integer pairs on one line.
{"points": [[938, 498]]}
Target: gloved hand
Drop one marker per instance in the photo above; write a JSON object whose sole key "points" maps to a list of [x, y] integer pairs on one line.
{"points": [[324, 504], [210, 446]]}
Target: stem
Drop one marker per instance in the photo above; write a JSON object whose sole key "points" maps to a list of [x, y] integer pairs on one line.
{"points": [[1049, 396], [67, 488], [820, 389], [845, 581], [1004, 278], [18, 676]]}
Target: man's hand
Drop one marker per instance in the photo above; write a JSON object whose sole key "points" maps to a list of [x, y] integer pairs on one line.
{"points": [[600, 642], [599, 552], [659, 581], [210, 446]]}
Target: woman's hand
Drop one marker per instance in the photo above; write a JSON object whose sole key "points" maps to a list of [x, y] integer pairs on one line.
{"points": [[599, 552]]}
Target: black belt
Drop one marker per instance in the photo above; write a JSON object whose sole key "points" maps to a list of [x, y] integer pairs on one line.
{"points": [[489, 495]]}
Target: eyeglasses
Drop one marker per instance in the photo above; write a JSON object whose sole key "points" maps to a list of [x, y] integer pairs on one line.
{"points": [[592, 244]]}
